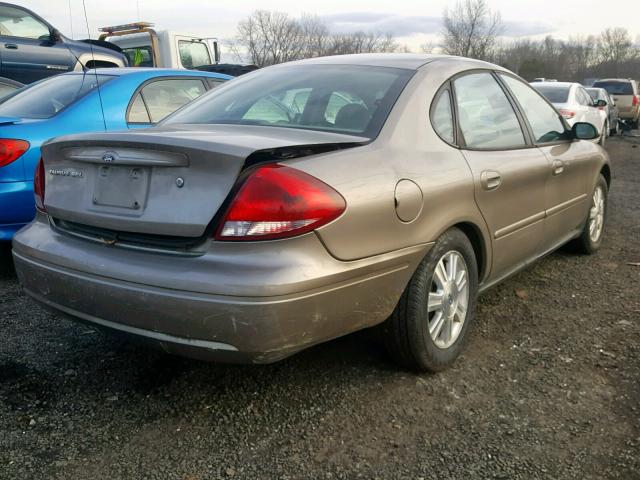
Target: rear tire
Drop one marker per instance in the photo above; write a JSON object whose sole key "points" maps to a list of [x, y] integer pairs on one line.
{"points": [[590, 239], [427, 330], [615, 130]]}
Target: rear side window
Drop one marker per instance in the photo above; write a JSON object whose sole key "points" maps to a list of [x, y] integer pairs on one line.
{"points": [[543, 118], [193, 54], [616, 88], [139, 56], [486, 118], [442, 116], [161, 98]]}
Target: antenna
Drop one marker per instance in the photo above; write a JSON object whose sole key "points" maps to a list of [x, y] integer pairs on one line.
{"points": [[86, 19], [70, 20]]}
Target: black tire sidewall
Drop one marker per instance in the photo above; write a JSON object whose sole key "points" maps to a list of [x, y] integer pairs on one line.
{"points": [[426, 354]]}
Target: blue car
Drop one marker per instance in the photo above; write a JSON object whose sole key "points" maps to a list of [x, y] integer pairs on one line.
{"points": [[72, 103]]}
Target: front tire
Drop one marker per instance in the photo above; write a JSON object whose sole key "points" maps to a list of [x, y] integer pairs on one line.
{"points": [[427, 330], [590, 239]]}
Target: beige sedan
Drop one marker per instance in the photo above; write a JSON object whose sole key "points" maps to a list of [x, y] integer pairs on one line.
{"points": [[308, 200]]}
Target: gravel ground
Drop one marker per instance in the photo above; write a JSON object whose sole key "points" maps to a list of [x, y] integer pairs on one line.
{"points": [[548, 387]]}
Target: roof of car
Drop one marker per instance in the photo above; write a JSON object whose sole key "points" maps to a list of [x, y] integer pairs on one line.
{"points": [[614, 80], [411, 61], [554, 84], [152, 71]]}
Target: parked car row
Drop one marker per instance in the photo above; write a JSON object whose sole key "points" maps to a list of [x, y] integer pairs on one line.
{"points": [[299, 202]]}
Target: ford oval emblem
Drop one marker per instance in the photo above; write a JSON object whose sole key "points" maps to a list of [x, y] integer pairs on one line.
{"points": [[108, 157]]}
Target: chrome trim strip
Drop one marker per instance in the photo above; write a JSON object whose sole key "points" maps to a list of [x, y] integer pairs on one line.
{"points": [[525, 222], [564, 205]]}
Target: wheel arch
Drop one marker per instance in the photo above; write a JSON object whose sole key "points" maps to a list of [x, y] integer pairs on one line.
{"points": [[605, 171], [479, 244]]}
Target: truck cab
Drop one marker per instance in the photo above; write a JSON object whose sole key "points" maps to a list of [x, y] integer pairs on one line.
{"points": [[146, 47]]}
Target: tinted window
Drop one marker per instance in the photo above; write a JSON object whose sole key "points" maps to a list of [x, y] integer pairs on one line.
{"points": [[193, 54], [486, 117], [48, 97], [344, 98], [616, 88], [543, 118], [18, 23], [442, 117], [163, 97], [553, 94]]}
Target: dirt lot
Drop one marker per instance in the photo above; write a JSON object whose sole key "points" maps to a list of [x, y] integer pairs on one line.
{"points": [[549, 387]]}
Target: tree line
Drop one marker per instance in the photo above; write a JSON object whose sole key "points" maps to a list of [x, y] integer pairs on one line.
{"points": [[470, 29]]}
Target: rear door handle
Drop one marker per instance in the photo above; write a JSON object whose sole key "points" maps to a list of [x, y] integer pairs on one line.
{"points": [[11, 46], [490, 179], [558, 167]]}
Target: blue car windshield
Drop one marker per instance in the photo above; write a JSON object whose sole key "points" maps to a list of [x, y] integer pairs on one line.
{"points": [[48, 97], [336, 98]]}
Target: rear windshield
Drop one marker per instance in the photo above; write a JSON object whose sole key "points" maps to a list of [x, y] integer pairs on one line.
{"points": [[48, 97], [553, 94], [616, 88], [337, 98]]}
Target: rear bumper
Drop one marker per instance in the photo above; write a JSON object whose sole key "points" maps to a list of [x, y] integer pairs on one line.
{"points": [[221, 326], [16, 207]]}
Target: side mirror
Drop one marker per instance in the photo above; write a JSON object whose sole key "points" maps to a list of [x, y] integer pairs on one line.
{"points": [[584, 131], [600, 103], [56, 36]]}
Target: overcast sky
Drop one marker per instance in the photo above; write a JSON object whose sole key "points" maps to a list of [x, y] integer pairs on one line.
{"points": [[413, 22]]}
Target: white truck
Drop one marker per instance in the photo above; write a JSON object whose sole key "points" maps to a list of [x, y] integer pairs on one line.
{"points": [[146, 47]]}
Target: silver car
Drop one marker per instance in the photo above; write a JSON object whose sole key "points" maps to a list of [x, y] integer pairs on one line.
{"points": [[308, 200]]}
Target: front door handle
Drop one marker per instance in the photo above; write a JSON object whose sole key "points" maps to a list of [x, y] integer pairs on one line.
{"points": [[557, 167], [11, 46], [490, 179]]}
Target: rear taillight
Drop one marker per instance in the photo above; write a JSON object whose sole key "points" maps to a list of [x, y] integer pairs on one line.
{"points": [[635, 101], [11, 150], [276, 201], [601, 108], [567, 113], [38, 186]]}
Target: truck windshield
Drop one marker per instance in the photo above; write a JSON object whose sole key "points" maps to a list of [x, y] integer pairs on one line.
{"points": [[616, 88], [349, 99], [48, 97]]}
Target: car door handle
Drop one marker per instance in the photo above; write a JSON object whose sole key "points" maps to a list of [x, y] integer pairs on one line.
{"points": [[11, 46], [490, 180], [557, 167]]}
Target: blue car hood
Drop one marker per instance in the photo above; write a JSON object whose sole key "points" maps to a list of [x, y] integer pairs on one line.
{"points": [[9, 120]]}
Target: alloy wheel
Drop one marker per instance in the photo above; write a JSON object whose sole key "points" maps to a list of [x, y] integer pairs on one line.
{"points": [[596, 215], [448, 299]]}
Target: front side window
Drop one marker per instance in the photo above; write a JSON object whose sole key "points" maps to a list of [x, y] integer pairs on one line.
{"points": [[543, 118], [193, 54], [48, 97], [338, 98], [161, 98], [15, 22], [486, 118], [442, 117]]}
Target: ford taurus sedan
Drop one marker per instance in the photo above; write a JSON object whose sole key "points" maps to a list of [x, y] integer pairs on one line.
{"points": [[308, 200]]}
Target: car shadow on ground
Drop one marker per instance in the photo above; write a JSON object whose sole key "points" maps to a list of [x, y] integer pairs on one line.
{"points": [[6, 262]]}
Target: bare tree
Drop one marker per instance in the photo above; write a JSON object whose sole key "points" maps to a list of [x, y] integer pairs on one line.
{"points": [[270, 37], [615, 45], [470, 29], [274, 37]]}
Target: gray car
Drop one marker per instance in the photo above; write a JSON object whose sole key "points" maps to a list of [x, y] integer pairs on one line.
{"points": [[308, 200]]}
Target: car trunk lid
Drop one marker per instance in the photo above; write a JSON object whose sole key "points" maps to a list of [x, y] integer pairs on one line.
{"points": [[163, 181]]}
